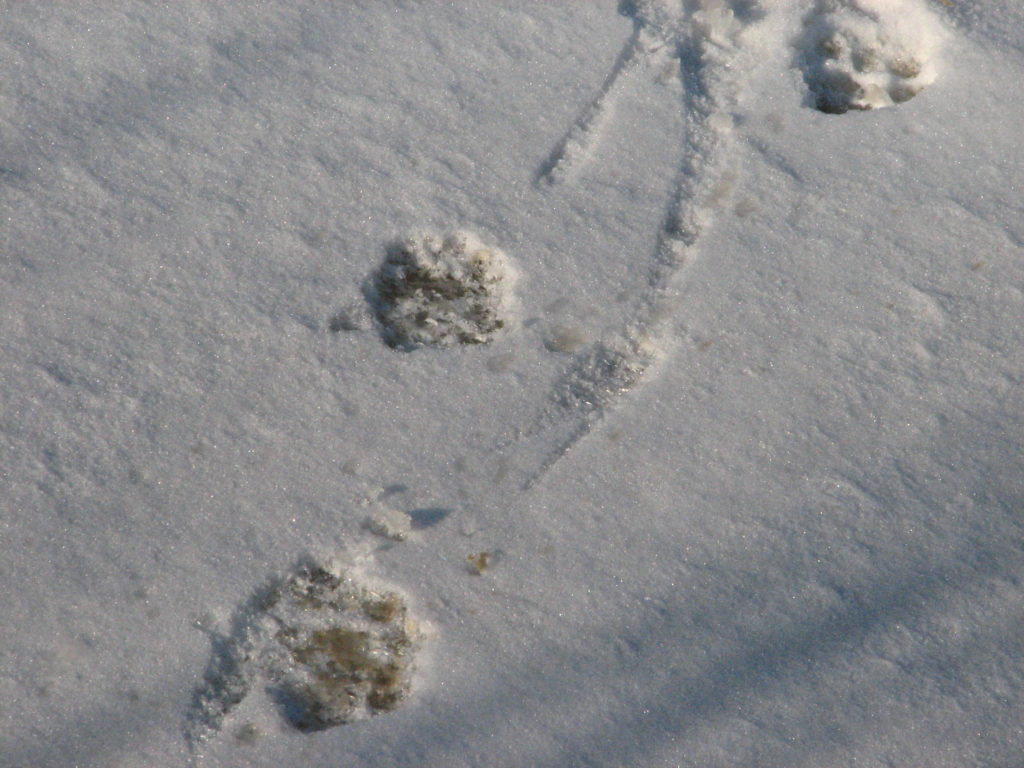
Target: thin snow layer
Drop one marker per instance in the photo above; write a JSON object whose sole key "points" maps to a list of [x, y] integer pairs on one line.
{"points": [[740, 488]]}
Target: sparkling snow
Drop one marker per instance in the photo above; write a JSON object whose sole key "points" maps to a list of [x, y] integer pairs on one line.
{"points": [[739, 483]]}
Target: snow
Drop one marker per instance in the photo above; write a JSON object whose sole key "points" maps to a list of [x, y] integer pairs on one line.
{"points": [[738, 483], [867, 55]]}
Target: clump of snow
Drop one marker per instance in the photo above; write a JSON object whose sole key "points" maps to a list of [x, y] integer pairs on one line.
{"points": [[868, 54], [717, 21], [329, 649], [442, 291], [390, 524]]}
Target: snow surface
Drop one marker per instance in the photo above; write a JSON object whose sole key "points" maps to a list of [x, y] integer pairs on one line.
{"points": [[740, 483]]}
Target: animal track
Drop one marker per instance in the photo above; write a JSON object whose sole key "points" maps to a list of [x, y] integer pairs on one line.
{"points": [[662, 30], [867, 54], [578, 144], [602, 374], [702, 41], [442, 292], [328, 649]]}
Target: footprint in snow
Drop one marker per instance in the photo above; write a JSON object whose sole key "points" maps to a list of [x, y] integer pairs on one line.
{"points": [[433, 291], [867, 54], [326, 648]]}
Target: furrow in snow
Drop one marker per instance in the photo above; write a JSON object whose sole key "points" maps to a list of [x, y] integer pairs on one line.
{"points": [[705, 39]]}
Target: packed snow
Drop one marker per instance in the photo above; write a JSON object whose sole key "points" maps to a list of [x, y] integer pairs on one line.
{"points": [[512, 384], [866, 54]]}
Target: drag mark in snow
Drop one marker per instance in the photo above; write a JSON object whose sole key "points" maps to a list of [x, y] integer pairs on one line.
{"points": [[578, 144], [703, 38], [598, 377], [867, 54]]}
